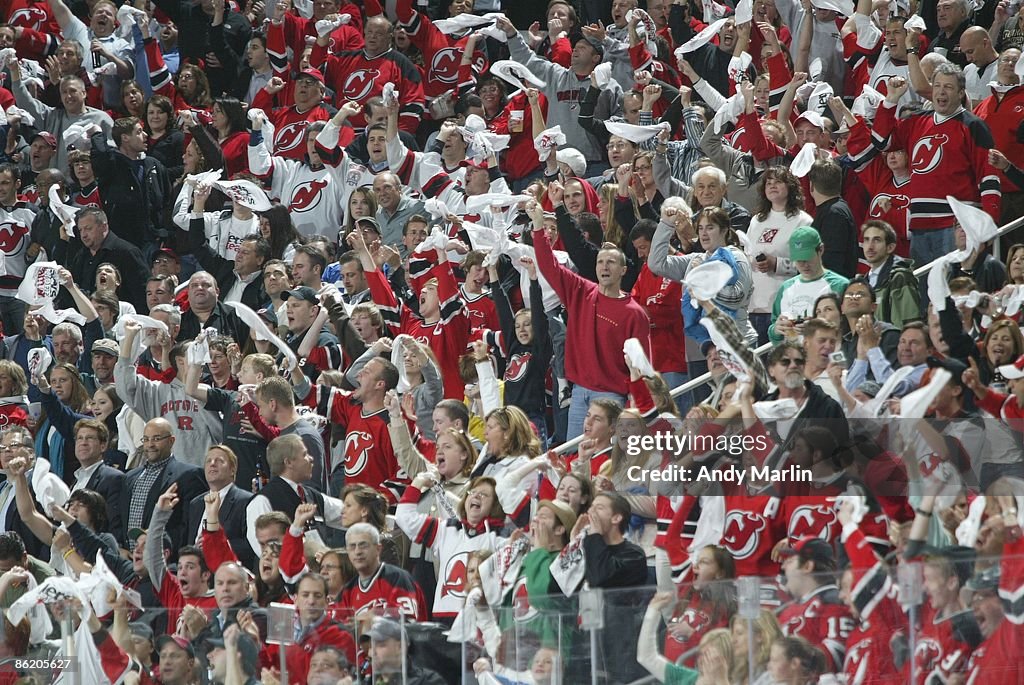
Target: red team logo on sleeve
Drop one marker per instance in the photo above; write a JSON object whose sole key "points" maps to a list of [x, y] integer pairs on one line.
{"points": [[927, 153], [359, 84]]}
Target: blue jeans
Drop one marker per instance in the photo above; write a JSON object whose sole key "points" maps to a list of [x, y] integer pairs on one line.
{"points": [[674, 379], [927, 246], [761, 322], [581, 399]]}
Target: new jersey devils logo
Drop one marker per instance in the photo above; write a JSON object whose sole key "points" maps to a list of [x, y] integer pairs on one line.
{"points": [[816, 521], [928, 653], [742, 533], [517, 366], [307, 195], [455, 576], [445, 65], [11, 235], [357, 452], [28, 17], [290, 136], [884, 202], [359, 84], [927, 153]]}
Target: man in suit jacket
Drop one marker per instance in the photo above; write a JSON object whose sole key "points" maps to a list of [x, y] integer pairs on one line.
{"points": [[240, 279], [220, 467], [16, 442], [91, 442], [161, 469], [292, 466]]}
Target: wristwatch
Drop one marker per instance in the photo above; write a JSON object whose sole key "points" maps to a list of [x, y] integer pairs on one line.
{"points": [[912, 51]]}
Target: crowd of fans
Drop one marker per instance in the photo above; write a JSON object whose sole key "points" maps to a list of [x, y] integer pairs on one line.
{"points": [[349, 343]]}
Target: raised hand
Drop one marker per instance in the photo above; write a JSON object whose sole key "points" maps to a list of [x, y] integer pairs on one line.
{"points": [[212, 503], [304, 513], [169, 499]]}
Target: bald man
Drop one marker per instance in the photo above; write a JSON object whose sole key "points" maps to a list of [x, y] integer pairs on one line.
{"points": [[983, 60], [160, 470]]}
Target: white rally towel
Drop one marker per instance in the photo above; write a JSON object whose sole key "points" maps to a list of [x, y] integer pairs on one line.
{"points": [[634, 133], [261, 332], [866, 104], [148, 336], [478, 203], [56, 316], [701, 39], [38, 361], [210, 177], [817, 101], [967, 531], [815, 69], [7, 55], [437, 208], [707, 279], [66, 213], [398, 359], [461, 22], [245, 193], [634, 351], [978, 226], [389, 94], [325, 27], [304, 8], [515, 74], [915, 405], [41, 284], [776, 410], [48, 491], [127, 16], [731, 359], [602, 74], [744, 12], [915, 22], [888, 388], [548, 141], [729, 112], [76, 136], [198, 352], [804, 160], [26, 118], [570, 566]]}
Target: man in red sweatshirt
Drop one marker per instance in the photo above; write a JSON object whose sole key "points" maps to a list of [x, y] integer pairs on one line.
{"points": [[601, 318]]}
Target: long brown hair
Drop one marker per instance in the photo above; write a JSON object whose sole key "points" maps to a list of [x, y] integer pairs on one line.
{"points": [[794, 198]]}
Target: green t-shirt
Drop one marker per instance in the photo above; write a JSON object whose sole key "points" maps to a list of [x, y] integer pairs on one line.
{"points": [[680, 675]]}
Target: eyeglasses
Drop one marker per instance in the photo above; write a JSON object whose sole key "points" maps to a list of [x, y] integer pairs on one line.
{"points": [[357, 545], [854, 296], [11, 448], [157, 438], [615, 146], [789, 361]]}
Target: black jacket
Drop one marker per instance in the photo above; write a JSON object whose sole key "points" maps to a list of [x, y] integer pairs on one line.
{"points": [[134, 205], [818, 410], [122, 254], [834, 222], [109, 482], [254, 296], [222, 318], [169, 150], [190, 482], [232, 520]]}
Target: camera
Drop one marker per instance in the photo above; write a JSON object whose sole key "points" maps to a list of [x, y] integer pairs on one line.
{"points": [[838, 358]]}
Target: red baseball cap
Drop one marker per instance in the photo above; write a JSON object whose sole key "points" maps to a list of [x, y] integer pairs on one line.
{"points": [[312, 73], [482, 164]]}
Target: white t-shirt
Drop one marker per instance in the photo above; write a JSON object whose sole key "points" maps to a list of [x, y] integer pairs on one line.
{"points": [[771, 237]]}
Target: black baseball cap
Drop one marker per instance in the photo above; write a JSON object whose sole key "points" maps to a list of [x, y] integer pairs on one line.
{"points": [[303, 292]]}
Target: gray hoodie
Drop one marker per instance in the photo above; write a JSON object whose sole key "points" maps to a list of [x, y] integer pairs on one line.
{"points": [[564, 90], [195, 429]]}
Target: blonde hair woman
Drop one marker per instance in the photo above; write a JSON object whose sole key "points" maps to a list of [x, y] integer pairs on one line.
{"points": [[510, 444]]}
